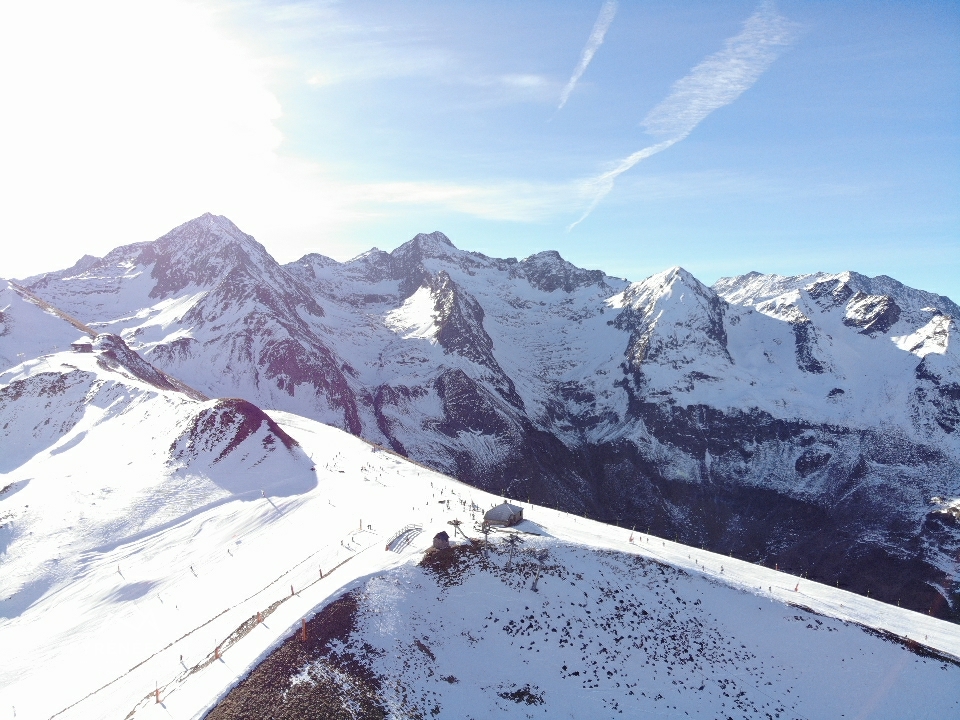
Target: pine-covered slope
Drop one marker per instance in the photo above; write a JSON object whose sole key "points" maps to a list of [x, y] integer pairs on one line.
{"points": [[806, 421]]}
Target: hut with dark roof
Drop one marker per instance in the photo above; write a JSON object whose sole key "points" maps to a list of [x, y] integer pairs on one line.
{"points": [[441, 540]]}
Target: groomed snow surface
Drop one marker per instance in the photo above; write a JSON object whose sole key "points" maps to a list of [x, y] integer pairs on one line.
{"points": [[173, 606]]}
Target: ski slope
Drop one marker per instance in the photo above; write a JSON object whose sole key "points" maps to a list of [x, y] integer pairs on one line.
{"points": [[173, 608]]}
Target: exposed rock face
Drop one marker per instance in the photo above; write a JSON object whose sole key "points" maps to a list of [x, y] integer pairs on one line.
{"points": [[548, 271], [222, 428], [800, 420], [871, 313]]}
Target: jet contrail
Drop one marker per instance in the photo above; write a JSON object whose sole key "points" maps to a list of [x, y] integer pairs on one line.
{"points": [[717, 81], [594, 42]]}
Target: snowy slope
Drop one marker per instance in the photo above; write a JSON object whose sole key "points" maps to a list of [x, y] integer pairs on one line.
{"points": [[806, 420], [604, 635], [100, 452], [29, 330], [154, 606], [873, 350]]}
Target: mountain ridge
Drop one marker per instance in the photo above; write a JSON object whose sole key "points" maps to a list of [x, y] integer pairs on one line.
{"points": [[803, 420]]}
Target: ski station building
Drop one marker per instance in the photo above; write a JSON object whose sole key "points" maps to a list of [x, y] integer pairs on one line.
{"points": [[504, 514], [83, 345]]}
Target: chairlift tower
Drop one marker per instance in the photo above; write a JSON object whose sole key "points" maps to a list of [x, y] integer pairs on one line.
{"points": [[512, 541]]}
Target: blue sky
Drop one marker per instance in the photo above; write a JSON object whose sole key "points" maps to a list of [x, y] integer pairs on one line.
{"points": [[799, 136]]}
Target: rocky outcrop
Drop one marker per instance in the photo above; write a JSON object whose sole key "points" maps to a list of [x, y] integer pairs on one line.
{"points": [[871, 313], [548, 271], [224, 427]]}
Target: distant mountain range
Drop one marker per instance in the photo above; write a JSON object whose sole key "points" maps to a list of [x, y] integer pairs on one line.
{"points": [[807, 422]]}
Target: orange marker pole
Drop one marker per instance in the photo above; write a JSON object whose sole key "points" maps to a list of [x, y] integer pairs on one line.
{"points": [[303, 629]]}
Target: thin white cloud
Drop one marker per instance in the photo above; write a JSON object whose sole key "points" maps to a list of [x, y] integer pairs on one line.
{"points": [[717, 81], [501, 200], [594, 42]]}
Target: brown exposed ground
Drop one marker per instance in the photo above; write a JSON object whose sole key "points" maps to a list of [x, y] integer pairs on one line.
{"points": [[319, 678], [312, 679]]}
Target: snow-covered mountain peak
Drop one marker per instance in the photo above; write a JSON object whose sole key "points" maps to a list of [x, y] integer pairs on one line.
{"points": [[202, 252], [373, 265], [436, 237], [828, 289], [425, 245], [673, 288], [754, 288], [85, 262], [548, 271], [666, 284], [310, 264], [208, 241], [674, 320], [207, 228]]}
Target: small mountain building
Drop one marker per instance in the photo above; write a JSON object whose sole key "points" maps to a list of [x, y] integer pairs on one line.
{"points": [[441, 540], [83, 345], [504, 514]]}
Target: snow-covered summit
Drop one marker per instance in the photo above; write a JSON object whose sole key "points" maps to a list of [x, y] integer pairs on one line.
{"points": [[674, 320], [431, 241], [548, 271], [754, 288], [203, 251]]}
